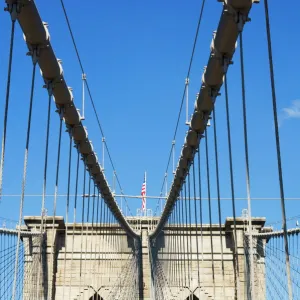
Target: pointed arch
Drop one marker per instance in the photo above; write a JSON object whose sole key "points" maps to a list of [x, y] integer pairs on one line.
{"points": [[96, 296], [192, 297]]}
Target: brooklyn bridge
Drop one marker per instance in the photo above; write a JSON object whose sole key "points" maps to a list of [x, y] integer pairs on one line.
{"points": [[225, 222]]}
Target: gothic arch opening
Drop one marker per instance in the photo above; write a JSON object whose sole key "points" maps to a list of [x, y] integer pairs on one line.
{"points": [[192, 297], [96, 296]]}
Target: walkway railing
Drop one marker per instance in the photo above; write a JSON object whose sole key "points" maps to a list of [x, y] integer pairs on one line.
{"points": [[269, 260]]}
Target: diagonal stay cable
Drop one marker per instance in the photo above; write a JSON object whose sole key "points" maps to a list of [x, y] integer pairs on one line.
{"points": [[184, 90], [91, 97], [21, 207], [278, 151], [7, 98]]}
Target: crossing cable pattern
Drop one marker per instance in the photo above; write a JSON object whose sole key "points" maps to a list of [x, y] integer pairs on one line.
{"points": [[269, 263], [37, 34], [172, 151], [222, 50], [8, 245], [175, 254], [212, 81], [85, 82], [172, 245], [233, 18], [42, 280]]}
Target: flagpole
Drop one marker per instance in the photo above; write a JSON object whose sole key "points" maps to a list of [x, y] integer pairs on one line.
{"points": [[146, 194]]}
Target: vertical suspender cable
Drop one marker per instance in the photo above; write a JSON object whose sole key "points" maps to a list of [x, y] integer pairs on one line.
{"points": [[95, 276], [169, 249], [5, 248], [104, 240], [109, 234], [67, 213], [286, 247], [174, 249], [196, 225], [74, 221], [113, 274], [92, 233], [99, 246], [50, 292], [209, 211], [232, 192], [103, 153], [187, 238], [44, 189], [187, 81], [219, 201], [190, 235], [179, 254], [173, 157], [46, 157], [200, 203], [82, 225], [1, 261], [171, 282], [111, 245], [12, 35], [83, 77], [183, 242], [87, 229], [106, 245], [24, 177], [178, 244], [252, 286], [102, 232]]}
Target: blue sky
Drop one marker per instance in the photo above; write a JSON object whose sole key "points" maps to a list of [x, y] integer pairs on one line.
{"points": [[136, 55]]}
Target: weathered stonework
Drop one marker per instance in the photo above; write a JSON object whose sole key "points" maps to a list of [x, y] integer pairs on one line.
{"points": [[178, 244], [77, 265], [94, 260]]}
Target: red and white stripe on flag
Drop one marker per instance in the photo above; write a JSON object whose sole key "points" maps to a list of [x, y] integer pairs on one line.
{"points": [[143, 193]]}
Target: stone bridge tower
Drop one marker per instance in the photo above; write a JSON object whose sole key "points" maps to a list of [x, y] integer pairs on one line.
{"points": [[89, 262]]}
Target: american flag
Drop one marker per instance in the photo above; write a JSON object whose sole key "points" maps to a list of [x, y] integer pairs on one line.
{"points": [[143, 193]]}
